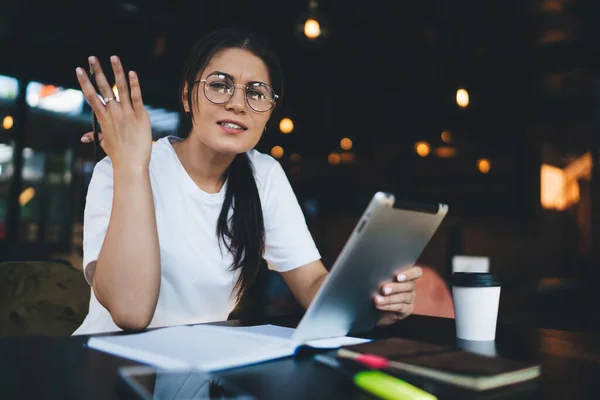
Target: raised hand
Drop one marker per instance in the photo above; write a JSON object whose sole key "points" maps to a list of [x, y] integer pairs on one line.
{"points": [[126, 131]]}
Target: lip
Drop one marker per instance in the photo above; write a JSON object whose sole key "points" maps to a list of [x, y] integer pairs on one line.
{"points": [[232, 121]]}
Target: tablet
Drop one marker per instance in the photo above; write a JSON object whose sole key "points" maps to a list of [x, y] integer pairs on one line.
{"points": [[388, 238], [148, 383]]}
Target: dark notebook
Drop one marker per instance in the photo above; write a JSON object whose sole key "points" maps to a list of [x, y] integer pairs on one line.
{"points": [[449, 365]]}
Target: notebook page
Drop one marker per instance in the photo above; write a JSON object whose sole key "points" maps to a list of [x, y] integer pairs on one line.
{"points": [[202, 346], [286, 333], [208, 347]]}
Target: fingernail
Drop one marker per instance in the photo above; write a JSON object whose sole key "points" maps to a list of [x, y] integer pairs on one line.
{"points": [[401, 277], [85, 139], [114, 59], [79, 71], [387, 290], [92, 60], [378, 299], [131, 74]]}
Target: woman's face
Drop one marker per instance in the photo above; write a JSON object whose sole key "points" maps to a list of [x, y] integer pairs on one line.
{"points": [[232, 127]]}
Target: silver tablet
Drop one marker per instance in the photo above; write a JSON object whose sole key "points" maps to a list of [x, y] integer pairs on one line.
{"points": [[388, 238]]}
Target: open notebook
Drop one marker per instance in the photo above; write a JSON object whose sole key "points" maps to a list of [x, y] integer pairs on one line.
{"points": [[209, 347]]}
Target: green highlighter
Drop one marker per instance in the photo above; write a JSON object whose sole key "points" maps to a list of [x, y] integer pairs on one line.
{"points": [[378, 383], [388, 387]]}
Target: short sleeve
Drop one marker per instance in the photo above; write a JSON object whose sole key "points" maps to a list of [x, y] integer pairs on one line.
{"points": [[98, 205], [288, 242]]}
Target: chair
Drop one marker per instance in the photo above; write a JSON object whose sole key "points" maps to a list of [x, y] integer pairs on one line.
{"points": [[433, 295], [41, 297]]}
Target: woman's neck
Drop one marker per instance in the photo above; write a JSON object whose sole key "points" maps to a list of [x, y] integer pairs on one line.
{"points": [[205, 166]]}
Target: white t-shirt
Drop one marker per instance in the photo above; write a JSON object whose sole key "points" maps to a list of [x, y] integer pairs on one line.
{"points": [[196, 280]]}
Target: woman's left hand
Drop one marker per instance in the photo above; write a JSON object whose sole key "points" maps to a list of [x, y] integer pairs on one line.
{"points": [[397, 298]]}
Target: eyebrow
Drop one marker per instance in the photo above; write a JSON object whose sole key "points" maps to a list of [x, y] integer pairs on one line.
{"points": [[222, 73], [231, 77]]}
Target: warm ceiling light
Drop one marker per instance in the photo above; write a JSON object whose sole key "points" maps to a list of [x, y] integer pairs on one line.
{"points": [[484, 165], [8, 122], [312, 28], [446, 136], [347, 157], [552, 188], [559, 187], [579, 168], [552, 6], [334, 159], [295, 158], [553, 36], [422, 148], [445, 151], [346, 144], [462, 98], [286, 125], [26, 196], [277, 151]]}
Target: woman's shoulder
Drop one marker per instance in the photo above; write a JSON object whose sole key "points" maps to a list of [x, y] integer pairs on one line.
{"points": [[262, 163], [162, 150]]}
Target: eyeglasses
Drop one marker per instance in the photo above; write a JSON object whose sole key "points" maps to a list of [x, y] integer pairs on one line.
{"points": [[219, 89]]}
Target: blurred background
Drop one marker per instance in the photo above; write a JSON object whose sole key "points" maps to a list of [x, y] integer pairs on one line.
{"points": [[492, 107]]}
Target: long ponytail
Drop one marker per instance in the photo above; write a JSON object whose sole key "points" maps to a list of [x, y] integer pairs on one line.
{"points": [[244, 233]]}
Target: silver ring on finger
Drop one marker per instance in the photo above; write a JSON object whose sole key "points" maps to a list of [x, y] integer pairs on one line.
{"points": [[108, 100]]}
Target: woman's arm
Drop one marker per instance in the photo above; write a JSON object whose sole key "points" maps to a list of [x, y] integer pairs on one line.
{"points": [[127, 274], [305, 281]]}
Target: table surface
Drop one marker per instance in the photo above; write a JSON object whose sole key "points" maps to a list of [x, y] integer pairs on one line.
{"points": [[62, 368]]}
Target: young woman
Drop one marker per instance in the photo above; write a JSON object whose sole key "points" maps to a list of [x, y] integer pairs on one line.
{"points": [[174, 232]]}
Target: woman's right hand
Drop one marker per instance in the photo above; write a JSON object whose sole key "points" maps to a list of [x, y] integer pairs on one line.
{"points": [[126, 131]]}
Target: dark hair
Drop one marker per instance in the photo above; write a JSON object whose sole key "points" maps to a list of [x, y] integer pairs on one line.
{"points": [[244, 233]]}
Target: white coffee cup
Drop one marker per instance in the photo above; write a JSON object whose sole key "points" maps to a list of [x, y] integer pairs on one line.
{"points": [[484, 347], [476, 300]]}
